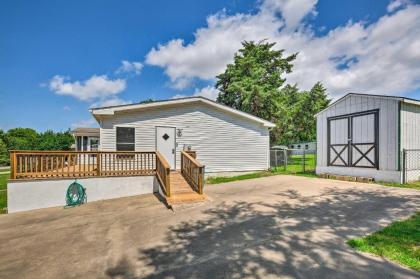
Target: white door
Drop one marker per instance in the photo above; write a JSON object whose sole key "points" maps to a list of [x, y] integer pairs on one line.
{"points": [[165, 143]]}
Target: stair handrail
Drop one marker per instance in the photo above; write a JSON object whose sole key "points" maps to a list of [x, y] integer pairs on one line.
{"points": [[163, 170], [193, 171]]}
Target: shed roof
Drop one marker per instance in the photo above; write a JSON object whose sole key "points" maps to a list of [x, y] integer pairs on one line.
{"points": [[111, 110], [399, 98]]}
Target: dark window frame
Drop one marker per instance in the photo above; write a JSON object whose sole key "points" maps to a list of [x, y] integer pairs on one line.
{"points": [[125, 142]]}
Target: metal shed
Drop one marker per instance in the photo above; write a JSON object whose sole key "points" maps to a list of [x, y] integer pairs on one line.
{"points": [[367, 135]]}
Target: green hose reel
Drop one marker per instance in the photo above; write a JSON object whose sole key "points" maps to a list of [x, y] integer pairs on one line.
{"points": [[76, 194]]}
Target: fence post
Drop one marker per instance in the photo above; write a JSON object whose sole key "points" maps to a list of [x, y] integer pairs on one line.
{"points": [[404, 166], [13, 165], [285, 159], [275, 158], [303, 162]]}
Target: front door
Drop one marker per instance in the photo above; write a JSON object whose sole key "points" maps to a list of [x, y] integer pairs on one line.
{"points": [[165, 143]]}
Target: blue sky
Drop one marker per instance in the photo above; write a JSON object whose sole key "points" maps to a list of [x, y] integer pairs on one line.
{"points": [[57, 59]]}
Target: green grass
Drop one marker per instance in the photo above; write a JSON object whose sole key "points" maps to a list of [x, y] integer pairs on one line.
{"points": [[398, 242], [411, 185], [294, 167], [3, 194]]}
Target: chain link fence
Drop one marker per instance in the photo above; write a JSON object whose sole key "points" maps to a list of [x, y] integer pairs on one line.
{"points": [[411, 165], [293, 160]]}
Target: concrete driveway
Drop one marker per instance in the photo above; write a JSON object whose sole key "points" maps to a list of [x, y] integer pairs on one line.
{"points": [[282, 226]]}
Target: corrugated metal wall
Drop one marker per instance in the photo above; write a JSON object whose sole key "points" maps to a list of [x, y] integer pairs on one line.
{"points": [[388, 127], [223, 142]]}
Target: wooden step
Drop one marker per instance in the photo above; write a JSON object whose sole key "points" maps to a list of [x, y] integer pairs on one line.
{"points": [[181, 191]]}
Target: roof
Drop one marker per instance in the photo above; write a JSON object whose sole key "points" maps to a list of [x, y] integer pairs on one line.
{"points": [[111, 110], [85, 132], [399, 98]]}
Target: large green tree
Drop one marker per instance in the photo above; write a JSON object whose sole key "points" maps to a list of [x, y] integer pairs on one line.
{"points": [[254, 83], [251, 84]]}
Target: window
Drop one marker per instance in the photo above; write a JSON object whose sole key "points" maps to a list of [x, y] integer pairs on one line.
{"points": [[298, 146], [125, 139], [292, 146], [306, 146]]}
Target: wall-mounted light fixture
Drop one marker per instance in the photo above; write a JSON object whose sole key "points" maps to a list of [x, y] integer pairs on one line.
{"points": [[179, 132]]}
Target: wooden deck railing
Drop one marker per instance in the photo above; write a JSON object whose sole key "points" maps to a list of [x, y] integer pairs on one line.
{"points": [[64, 164], [163, 170], [193, 171]]}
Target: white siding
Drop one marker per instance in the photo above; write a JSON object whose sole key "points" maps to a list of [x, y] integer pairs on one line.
{"points": [[410, 139], [223, 142], [410, 126], [388, 127]]}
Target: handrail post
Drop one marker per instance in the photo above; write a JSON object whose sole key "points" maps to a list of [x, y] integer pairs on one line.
{"points": [[98, 163], [200, 180], [13, 165], [182, 162], [168, 181]]}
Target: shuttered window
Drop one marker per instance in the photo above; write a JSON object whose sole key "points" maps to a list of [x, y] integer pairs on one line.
{"points": [[125, 139]]}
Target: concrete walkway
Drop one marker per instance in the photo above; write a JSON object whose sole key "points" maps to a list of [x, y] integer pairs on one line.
{"points": [[282, 226]]}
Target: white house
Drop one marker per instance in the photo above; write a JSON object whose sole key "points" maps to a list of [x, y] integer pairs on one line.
{"points": [[225, 139], [86, 139], [364, 135]]}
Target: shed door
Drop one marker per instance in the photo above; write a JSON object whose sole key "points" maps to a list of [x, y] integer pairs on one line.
{"points": [[165, 143], [353, 140], [338, 142], [363, 141]]}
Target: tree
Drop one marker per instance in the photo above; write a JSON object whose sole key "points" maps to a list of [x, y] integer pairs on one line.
{"points": [[146, 101], [20, 139], [254, 84], [4, 154], [50, 140], [312, 102], [251, 84]]}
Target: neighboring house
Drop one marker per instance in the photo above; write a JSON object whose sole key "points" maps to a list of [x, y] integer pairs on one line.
{"points": [[303, 146], [364, 135], [86, 139], [225, 139]]}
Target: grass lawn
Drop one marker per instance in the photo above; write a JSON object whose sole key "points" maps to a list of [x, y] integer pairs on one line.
{"points": [[398, 242], [3, 194], [295, 167], [412, 185]]}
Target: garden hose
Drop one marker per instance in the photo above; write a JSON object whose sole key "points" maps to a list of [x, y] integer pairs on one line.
{"points": [[76, 194]]}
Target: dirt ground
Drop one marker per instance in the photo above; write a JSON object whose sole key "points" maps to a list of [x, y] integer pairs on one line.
{"points": [[281, 226]]}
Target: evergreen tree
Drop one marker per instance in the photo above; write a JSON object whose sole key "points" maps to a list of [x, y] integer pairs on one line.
{"points": [[253, 83]]}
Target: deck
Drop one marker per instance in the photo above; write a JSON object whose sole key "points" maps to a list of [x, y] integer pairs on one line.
{"points": [[184, 185]]}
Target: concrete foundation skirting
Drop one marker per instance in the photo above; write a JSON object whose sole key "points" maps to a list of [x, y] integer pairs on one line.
{"points": [[378, 175], [35, 194]]}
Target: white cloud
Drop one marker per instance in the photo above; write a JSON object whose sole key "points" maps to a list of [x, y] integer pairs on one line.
{"points": [[396, 4], [129, 67], [114, 101], [86, 123], [292, 11], [94, 87], [381, 57], [67, 108], [208, 92]]}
